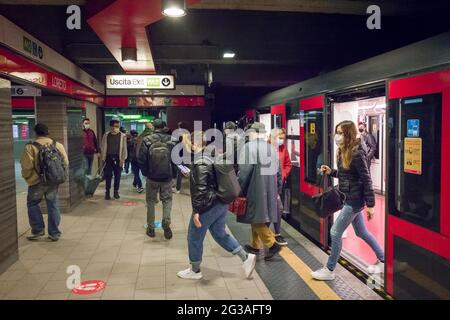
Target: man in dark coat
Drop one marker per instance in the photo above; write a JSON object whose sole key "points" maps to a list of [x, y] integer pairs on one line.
{"points": [[260, 180], [369, 143]]}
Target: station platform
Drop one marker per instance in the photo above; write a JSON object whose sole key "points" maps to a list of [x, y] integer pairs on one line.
{"points": [[107, 240]]}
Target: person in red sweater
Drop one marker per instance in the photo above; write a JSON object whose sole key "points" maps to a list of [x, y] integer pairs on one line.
{"points": [[278, 140], [90, 145]]}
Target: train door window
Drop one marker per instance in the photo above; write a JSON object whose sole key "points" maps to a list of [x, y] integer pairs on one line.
{"points": [[313, 130], [415, 140], [374, 130], [277, 121]]}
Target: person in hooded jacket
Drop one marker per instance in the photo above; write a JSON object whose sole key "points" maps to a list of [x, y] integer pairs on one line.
{"points": [[356, 184]]}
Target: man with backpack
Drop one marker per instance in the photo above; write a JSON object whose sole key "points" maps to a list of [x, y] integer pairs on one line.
{"points": [[155, 163], [44, 167]]}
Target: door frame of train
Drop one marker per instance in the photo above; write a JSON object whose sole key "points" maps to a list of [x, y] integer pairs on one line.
{"points": [[305, 104], [437, 243]]}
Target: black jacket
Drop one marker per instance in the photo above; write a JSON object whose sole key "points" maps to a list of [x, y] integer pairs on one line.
{"points": [[203, 185], [370, 145], [145, 146], [356, 182]]}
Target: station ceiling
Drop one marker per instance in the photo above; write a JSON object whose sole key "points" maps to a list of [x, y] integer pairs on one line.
{"points": [[277, 43]]}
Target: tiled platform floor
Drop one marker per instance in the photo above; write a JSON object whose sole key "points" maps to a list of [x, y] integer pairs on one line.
{"points": [[108, 242]]}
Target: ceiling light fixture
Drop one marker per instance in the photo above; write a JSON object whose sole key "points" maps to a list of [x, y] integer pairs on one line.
{"points": [[174, 8], [229, 55], [129, 54]]}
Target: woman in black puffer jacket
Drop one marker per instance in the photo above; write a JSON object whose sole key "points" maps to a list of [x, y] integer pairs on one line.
{"points": [[356, 184]]}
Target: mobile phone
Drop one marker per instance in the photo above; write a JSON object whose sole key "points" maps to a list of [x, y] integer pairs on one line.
{"points": [[185, 170]]}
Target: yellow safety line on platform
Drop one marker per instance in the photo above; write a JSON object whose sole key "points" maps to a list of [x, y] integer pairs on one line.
{"points": [[320, 288]]}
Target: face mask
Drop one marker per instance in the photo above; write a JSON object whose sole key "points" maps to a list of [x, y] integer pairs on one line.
{"points": [[87, 126], [339, 139], [361, 130], [116, 130]]}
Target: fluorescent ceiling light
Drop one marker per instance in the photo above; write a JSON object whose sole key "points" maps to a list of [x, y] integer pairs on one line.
{"points": [[229, 55], [174, 8]]}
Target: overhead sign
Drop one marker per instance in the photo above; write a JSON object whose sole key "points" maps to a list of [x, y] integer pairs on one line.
{"points": [[161, 82], [23, 91]]}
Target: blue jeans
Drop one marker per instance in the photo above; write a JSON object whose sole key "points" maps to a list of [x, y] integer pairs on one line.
{"points": [[214, 221], [349, 215], [137, 182], [35, 195]]}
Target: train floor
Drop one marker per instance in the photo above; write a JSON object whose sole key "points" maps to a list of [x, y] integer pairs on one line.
{"points": [[107, 241]]}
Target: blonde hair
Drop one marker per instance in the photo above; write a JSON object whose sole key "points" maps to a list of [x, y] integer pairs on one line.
{"points": [[275, 133], [350, 145]]}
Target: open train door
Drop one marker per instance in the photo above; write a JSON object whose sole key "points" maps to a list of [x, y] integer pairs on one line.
{"points": [[418, 157], [278, 116], [312, 146]]}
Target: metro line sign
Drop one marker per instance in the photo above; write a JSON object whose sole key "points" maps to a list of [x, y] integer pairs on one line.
{"points": [[160, 82]]}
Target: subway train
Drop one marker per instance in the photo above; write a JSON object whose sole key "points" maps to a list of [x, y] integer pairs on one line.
{"points": [[403, 98]]}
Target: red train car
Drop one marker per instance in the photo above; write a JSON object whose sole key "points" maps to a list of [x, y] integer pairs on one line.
{"points": [[403, 98]]}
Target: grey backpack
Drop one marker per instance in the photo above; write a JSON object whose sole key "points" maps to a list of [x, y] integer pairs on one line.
{"points": [[52, 168]]}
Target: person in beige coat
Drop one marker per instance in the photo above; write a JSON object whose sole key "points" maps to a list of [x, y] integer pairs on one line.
{"points": [[114, 154], [36, 190]]}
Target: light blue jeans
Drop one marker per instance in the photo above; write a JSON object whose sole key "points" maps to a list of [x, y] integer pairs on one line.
{"points": [[214, 221], [349, 216]]}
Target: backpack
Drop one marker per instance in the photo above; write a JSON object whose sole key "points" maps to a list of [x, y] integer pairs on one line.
{"points": [[159, 157], [228, 188], [52, 168]]}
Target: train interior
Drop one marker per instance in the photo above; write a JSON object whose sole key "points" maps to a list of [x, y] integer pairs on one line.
{"points": [[372, 112]]}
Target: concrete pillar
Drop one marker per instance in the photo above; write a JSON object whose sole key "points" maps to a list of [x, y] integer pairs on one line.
{"points": [[63, 117], [8, 211]]}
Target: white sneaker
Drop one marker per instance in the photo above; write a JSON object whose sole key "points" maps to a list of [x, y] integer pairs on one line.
{"points": [[189, 274], [323, 274], [249, 265], [376, 268]]}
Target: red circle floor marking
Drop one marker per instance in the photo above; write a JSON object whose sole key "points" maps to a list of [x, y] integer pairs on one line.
{"points": [[130, 204], [89, 287]]}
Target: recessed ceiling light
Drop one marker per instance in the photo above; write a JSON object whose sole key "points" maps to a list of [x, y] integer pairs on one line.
{"points": [[174, 8], [129, 54], [229, 55]]}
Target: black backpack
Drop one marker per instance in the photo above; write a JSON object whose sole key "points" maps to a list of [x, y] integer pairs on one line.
{"points": [[52, 168], [228, 187], [159, 157]]}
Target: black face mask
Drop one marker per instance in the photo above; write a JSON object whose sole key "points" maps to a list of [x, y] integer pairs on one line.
{"points": [[361, 130]]}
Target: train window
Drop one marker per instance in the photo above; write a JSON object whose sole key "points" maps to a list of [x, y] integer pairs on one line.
{"points": [[313, 132], [415, 157]]}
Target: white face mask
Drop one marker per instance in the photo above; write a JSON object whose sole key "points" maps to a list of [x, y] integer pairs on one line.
{"points": [[339, 139], [87, 126], [116, 130]]}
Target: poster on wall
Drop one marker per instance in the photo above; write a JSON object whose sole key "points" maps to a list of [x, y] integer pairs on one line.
{"points": [[413, 156]]}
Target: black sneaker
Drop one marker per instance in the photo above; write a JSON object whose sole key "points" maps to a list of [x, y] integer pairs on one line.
{"points": [[36, 236], [151, 231], [168, 233], [116, 195], [272, 251], [280, 240], [53, 238], [250, 249], [107, 196]]}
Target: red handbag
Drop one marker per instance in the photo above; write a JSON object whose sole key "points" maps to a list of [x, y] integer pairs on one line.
{"points": [[238, 206]]}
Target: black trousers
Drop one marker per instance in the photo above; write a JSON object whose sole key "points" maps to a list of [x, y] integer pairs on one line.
{"points": [[112, 167]]}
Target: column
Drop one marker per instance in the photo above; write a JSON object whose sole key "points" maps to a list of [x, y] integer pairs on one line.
{"points": [[63, 116], [8, 211]]}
